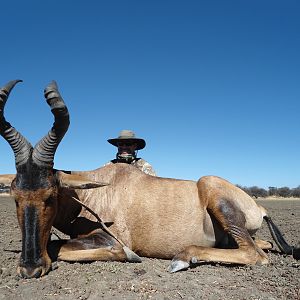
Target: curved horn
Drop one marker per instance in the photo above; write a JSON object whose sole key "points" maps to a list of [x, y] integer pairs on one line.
{"points": [[44, 150], [18, 143]]}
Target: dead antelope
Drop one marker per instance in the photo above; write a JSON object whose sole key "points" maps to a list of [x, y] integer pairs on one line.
{"points": [[209, 220]]}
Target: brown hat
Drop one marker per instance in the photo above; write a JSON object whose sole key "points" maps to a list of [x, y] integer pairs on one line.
{"points": [[128, 135]]}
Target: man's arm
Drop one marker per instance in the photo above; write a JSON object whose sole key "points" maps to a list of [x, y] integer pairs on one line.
{"points": [[145, 167]]}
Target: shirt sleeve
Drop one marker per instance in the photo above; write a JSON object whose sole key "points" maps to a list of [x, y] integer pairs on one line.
{"points": [[145, 167]]}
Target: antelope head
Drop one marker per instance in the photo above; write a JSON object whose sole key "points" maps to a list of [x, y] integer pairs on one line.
{"points": [[35, 186]]}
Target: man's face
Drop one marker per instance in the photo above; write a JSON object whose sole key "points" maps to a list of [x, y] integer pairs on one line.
{"points": [[126, 148]]}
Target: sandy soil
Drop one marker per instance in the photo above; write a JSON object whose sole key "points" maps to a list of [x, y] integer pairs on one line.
{"points": [[150, 279]]}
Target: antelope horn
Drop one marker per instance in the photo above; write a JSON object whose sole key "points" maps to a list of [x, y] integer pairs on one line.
{"points": [[20, 146], [44, 150]]}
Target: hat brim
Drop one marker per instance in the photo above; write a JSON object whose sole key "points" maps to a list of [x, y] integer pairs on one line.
{"points": [[140, 142]]}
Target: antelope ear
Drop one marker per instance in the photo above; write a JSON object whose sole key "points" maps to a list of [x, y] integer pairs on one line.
{"points": [[76, 181], [6, 179]]}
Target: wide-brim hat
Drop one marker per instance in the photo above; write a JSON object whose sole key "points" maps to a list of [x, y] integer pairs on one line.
{"points": [[129, 136]]}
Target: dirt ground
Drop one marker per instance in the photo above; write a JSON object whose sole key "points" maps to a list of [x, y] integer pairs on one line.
{"points": [[150, 279]]}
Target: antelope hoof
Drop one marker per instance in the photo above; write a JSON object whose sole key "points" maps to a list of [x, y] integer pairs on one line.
{"points": [[178, 265], [131, 256]]}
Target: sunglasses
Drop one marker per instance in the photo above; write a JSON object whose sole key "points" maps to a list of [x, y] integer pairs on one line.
{"points": [[124, 144]]}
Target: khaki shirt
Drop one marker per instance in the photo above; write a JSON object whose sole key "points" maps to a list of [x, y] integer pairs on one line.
{"points": [[140, 164]]}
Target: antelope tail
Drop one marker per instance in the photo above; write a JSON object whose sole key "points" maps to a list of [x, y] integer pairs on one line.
{"points": [[280, 241]]}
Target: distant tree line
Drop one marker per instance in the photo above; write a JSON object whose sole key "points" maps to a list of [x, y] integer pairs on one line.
{"points": [[3, 188], [286, 192]]}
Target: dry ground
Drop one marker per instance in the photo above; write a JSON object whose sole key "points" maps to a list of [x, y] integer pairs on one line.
{"points": [[150, 279]]}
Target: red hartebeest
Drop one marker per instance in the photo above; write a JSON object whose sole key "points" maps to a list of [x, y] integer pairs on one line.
{"points": [[207, 220]]}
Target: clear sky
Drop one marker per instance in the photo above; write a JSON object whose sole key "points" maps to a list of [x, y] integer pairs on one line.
{"points": [[212, 86]]}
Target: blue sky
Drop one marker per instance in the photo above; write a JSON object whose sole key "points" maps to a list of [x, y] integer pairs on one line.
{"points": [[212, 86]]}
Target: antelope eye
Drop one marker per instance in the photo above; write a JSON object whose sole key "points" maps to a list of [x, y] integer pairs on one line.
{"points": [[49, 201], [17, 203]]}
